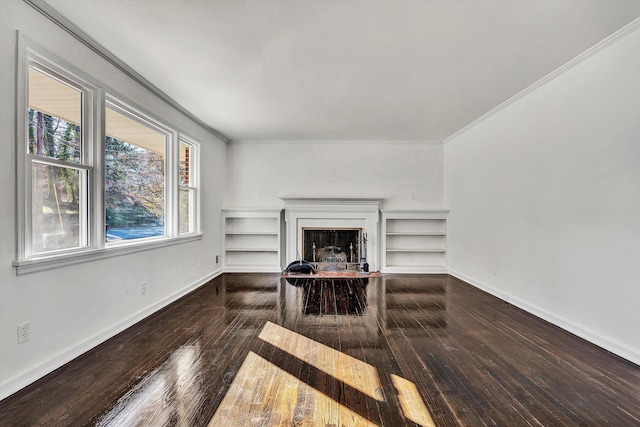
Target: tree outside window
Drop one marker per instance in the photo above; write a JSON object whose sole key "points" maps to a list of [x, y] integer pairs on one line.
{"points": [[54, 145], [134, 178]]}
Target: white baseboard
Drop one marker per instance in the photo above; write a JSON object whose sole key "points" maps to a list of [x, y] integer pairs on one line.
{"points": [[593, 337], [24, 378], [480, 285], [415, 270], [252, 269]]}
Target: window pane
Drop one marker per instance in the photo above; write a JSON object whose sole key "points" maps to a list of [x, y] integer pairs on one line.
{"points": [[56, 208], [185, 164], [55, 111], [134, 178], [185, 211]]}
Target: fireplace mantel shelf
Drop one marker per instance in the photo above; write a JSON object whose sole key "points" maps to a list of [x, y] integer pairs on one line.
{"points": [[332, 201]]}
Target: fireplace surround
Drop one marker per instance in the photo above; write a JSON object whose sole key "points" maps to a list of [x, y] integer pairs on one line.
{"points": [[329, 218]]}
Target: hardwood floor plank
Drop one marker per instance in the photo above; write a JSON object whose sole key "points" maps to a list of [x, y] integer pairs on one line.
{"points": [[400, 350]]}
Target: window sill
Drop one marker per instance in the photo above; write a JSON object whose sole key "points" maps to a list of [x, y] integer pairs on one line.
{"points": [[54, 261]]}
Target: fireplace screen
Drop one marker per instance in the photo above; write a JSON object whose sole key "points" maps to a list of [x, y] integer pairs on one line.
{"points": [[339, 245]]}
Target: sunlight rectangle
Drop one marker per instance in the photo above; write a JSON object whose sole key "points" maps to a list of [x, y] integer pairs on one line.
{"points": [[265, 395], [411, 403], [351, 371]]}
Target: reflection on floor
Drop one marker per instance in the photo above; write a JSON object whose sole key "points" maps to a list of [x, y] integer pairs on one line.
{"points": [[259, 350], [346, 296]]}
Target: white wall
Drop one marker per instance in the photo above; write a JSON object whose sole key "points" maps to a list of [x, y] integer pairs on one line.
{"points": [[73, 308], [548, 191], [262, 172]]}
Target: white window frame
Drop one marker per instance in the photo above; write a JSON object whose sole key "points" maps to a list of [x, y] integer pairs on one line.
{"points": [[85, 192], [95, 99], [126, 109], [32, 56], [193, 187]]}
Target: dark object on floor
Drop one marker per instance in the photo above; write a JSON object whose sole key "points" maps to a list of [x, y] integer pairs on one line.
{"points": [[300, 267]]}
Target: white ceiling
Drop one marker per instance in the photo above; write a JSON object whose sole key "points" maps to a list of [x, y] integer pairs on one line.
{"points": [[344, 70]]}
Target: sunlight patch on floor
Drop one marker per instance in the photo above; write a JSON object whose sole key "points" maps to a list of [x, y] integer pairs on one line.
{"points": [[351, 371], [265, 395], [411, 403]]}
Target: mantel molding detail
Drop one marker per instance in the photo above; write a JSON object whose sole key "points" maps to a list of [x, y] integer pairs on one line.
{"points": [[296, 202]]}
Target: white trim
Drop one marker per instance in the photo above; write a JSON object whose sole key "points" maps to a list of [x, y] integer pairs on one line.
{"points": [[251, 269], [194, 182], [171, 191], [415, 270], [128, 109], [64, 259], [252, 212], [332, 212], [32, 55], [21, 132], [480, 285], [334, 141], [623, 32], [410, 213], [593, 337], [23, 379], [314, 203], [97, 216]]}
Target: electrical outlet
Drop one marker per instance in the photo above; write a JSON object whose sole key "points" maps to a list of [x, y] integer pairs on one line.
{"points": [[24, 332], [199, 262], [217, 259], [413, 196], [494, 270], [143, 288]]}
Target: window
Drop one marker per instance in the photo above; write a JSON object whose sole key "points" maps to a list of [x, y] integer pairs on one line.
{"points": [[97, 176], [134, 184], [58, 173], [187, 187]]}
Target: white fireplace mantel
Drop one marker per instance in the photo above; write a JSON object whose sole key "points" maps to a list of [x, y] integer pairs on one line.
{"points": [[332, 212], [342, 202]]}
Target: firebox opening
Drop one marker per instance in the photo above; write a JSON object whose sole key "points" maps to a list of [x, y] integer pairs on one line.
{"points": [[325, 247]]}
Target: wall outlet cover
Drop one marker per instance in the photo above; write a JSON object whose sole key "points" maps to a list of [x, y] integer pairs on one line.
{"points": [[24, 332]]}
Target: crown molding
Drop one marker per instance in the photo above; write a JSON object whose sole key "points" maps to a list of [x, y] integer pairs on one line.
{"points": [[71, 29], [621, 33], [334, 141]]}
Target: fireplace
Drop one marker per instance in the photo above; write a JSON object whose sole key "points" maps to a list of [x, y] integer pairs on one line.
{"points": [[345, 231], [333, 249]]}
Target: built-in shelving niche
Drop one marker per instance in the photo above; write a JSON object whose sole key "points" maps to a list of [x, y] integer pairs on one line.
{"points": [[252, 240], [414, 241]]}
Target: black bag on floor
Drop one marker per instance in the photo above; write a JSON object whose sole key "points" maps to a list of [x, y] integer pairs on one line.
{"points": [[300, 267]]}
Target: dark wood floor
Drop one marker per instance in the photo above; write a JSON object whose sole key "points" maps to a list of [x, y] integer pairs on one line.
{"points": [[256, 350]]}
